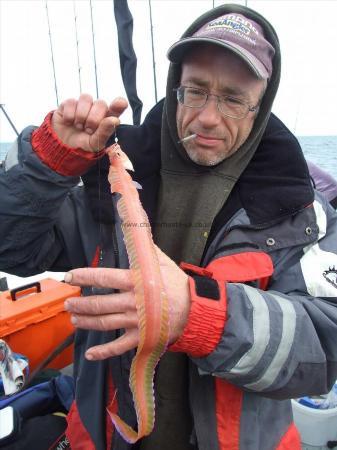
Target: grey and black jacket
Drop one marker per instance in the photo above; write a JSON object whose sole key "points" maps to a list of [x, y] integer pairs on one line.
{"points": [[271, 270]]}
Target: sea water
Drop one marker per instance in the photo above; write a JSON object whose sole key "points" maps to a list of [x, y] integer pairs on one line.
{"points": [[321, 150]]}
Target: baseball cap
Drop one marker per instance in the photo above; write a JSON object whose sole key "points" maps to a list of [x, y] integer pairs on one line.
{"points": [[237, 33]]}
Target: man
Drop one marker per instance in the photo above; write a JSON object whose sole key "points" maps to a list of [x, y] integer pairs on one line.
{"points": [[253, 314]]}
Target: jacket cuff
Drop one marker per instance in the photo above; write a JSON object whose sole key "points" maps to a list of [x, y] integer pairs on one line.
{"points": [[206, 320], [61, 158]]}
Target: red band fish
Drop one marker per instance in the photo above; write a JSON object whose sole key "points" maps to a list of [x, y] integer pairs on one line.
{"points": [[151, 299]]}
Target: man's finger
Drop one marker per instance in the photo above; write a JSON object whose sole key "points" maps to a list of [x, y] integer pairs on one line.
{"points": [[117, 347], [105, 322], [105, 129], [98, 305], [100, 277], [68, 110], [118, 106], [97, 113], [83, 107]]}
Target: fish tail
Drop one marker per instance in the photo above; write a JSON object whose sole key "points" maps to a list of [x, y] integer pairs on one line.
{"points": [[128, 433]]}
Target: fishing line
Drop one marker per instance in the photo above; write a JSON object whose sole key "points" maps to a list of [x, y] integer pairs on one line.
{"points": [[100, 229]]}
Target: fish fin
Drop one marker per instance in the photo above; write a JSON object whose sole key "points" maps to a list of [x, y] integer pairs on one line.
{"points": [[114, 180]]}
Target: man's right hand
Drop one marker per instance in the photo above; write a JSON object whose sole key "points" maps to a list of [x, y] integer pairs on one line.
{"points": [[87, 124]]}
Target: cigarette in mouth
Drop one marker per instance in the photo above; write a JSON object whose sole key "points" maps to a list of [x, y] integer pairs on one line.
{"points": [[187, 138]]}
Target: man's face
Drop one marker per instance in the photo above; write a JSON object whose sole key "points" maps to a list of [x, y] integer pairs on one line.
{"points": [[216, 71]]}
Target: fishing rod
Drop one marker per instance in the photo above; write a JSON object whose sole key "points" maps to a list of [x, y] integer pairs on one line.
{"points": [[78, 56], [153, 57], [2, 106], [94, 47], [52, 55]]}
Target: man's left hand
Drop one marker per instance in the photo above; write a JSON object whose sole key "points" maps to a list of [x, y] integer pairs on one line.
{"points": [[116, 311]]}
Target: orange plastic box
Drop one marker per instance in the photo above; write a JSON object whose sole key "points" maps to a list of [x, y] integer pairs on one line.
{"points": [[33, 321]]}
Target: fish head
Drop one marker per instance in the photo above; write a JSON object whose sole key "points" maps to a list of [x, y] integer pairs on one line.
{"points": [[115, 154]]}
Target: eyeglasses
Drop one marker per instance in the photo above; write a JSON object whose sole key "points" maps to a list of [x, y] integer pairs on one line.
{"points": [[227, 105]]}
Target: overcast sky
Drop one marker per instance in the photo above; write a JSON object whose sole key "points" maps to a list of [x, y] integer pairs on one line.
{"points": [[306, 101]]}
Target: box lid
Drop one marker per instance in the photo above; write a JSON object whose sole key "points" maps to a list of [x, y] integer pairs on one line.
{"points": [[33, 303]]}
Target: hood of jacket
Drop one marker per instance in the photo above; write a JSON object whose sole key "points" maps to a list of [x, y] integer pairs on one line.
{"points": [[191, 195]]}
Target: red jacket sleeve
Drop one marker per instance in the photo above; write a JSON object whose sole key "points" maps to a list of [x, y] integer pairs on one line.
{"points": [[58, 156], [207, 317]]}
